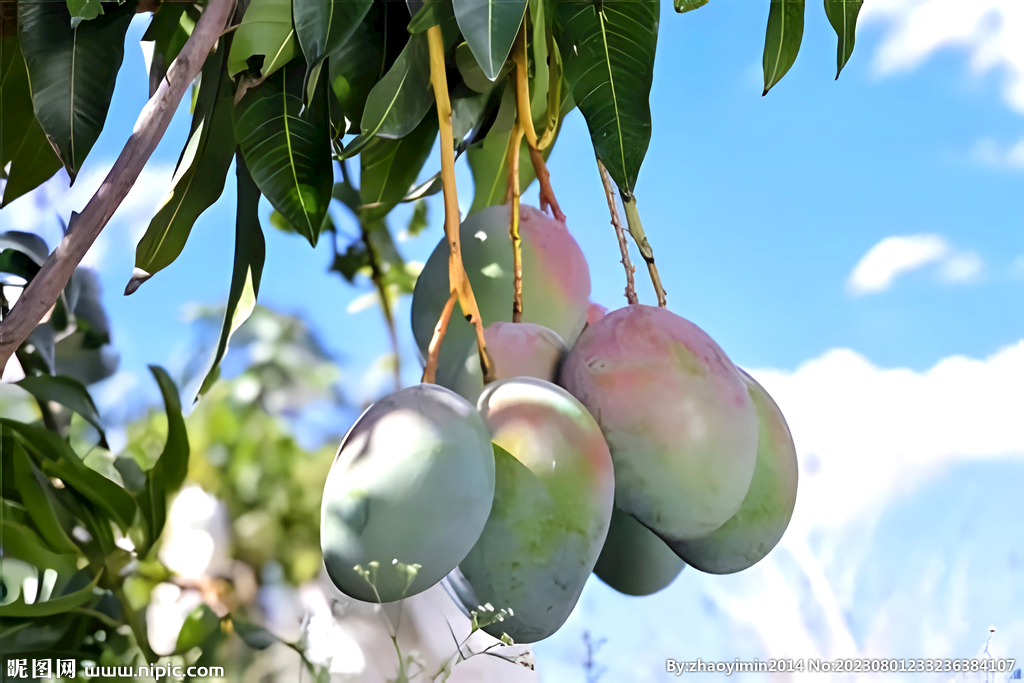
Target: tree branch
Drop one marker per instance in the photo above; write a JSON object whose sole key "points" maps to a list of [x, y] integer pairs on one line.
{"points": [[85, 227], [620, 233]]}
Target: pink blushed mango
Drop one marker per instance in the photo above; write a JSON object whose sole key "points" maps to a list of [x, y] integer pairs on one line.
{"points": [[677, 417], [595, 312], [768, 506], [516, 350]]}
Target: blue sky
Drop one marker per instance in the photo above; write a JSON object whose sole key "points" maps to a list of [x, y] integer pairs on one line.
{"points": [[759, 211]]}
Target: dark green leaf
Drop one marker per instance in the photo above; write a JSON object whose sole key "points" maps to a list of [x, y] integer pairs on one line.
{"points": [[57, 459], [250, 252], [27, 243], [401, 99], [688, 5], [842, 14], [198, 178], [23, 543], [66, 391], [490, 28], [265, 32], [199, 625], [472, 75], [256, 637], [37, 497], [323, 26], [418, 220], [60, 605], [432, 13], [782, 39], [173, 461], [84, 10], [608, 50], [22, 142], [171, 26], [288, 155], [72, 72], [389, 168]]}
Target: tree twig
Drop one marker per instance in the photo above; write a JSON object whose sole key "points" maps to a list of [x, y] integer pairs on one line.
{"points": [[620, 233], [514, 143], [430, 372], [41, 293], [636, 231], [458, 281]]}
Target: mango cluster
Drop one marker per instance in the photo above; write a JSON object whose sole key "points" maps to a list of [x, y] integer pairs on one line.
{"points": [[624, 444]]}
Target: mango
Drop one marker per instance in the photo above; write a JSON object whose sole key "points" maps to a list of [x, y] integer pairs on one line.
{"points": [[595, 312], [768, 506], [516, 350], [412, 484], [556, 286], [553, 497], [634, 560], [677, 417]]}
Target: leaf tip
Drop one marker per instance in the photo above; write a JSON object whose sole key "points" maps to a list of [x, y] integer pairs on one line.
{"points": [[138, 277]]}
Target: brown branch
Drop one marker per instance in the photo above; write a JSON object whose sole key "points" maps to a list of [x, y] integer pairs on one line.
{"points": [[84, 228], [430, 371], [620, 233], [514, 143], [636, 231], [525, 118], [457, 279]]}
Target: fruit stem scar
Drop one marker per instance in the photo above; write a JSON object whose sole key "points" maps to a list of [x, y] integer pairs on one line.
{"points": [[636, 231], [525, 119], [620, 233], [458, 282], [515, 141]]}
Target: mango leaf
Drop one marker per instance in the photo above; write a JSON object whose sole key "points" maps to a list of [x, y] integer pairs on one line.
{"points": [[432, 13], [171, 26], [688, 5], [31, 245], [72, 72], [288, 155], [608, 50], [37, 497], [388, 168], [256, 637], [782, 40], [198, 178], [68, 392], [23, 543], [84, 10], [60, 605], [323, 26], [250, 253], [57, 459], [842, 14], [490, 28], [265, 31], [401, 99], [199, 625], [22, 142]]}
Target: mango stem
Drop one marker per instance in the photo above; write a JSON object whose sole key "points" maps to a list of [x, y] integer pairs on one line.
{"points": [[636, 231], [514, 142], [620, 233]]}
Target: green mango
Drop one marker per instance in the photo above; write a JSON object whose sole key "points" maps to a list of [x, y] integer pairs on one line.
{"points": [[634, 560]]}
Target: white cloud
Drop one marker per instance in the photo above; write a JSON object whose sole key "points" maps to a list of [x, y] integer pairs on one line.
{"points": [[990, 153], [38, 210], [991, 32], [962, 268], [892, 257]]}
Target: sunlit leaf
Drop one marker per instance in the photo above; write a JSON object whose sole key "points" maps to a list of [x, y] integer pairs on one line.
{"points": [[782, 39], [84, 10], [199, 624], [689, 5], [842, 14], [490, 28], [389, 168], [58, 605], [266, 34]]}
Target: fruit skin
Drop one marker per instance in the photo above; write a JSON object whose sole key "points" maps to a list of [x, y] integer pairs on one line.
{"points": [[413, 480], [634, 560], [552, 505], [556, 285], [762, 519], [678, 419], [516, 350], [595, 312]]}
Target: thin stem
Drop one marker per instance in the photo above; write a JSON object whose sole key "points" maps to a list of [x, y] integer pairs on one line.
{"points": [[515, 141], [620, 233], [525, 118], [430, 372], [636, 231], [457, 279]]}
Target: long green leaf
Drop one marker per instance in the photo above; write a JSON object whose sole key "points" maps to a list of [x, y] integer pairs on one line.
{"points": [[171, 26], [32, 487], [198, 178], [288, 155], [323, 26], [72, 72], [22, 142], [23, 543], [199, 624], [84, 10], [490, 28], [250, 253], [265, 32], [782, 40], [57, 459], [60, 605], [389, 168], [608, 51], [401, 99], [689, 5], [842, 14], [66, 391]]}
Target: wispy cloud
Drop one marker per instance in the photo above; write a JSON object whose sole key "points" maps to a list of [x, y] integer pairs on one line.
{"points": [[988, 152], [990, 31], [898, 255]]}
